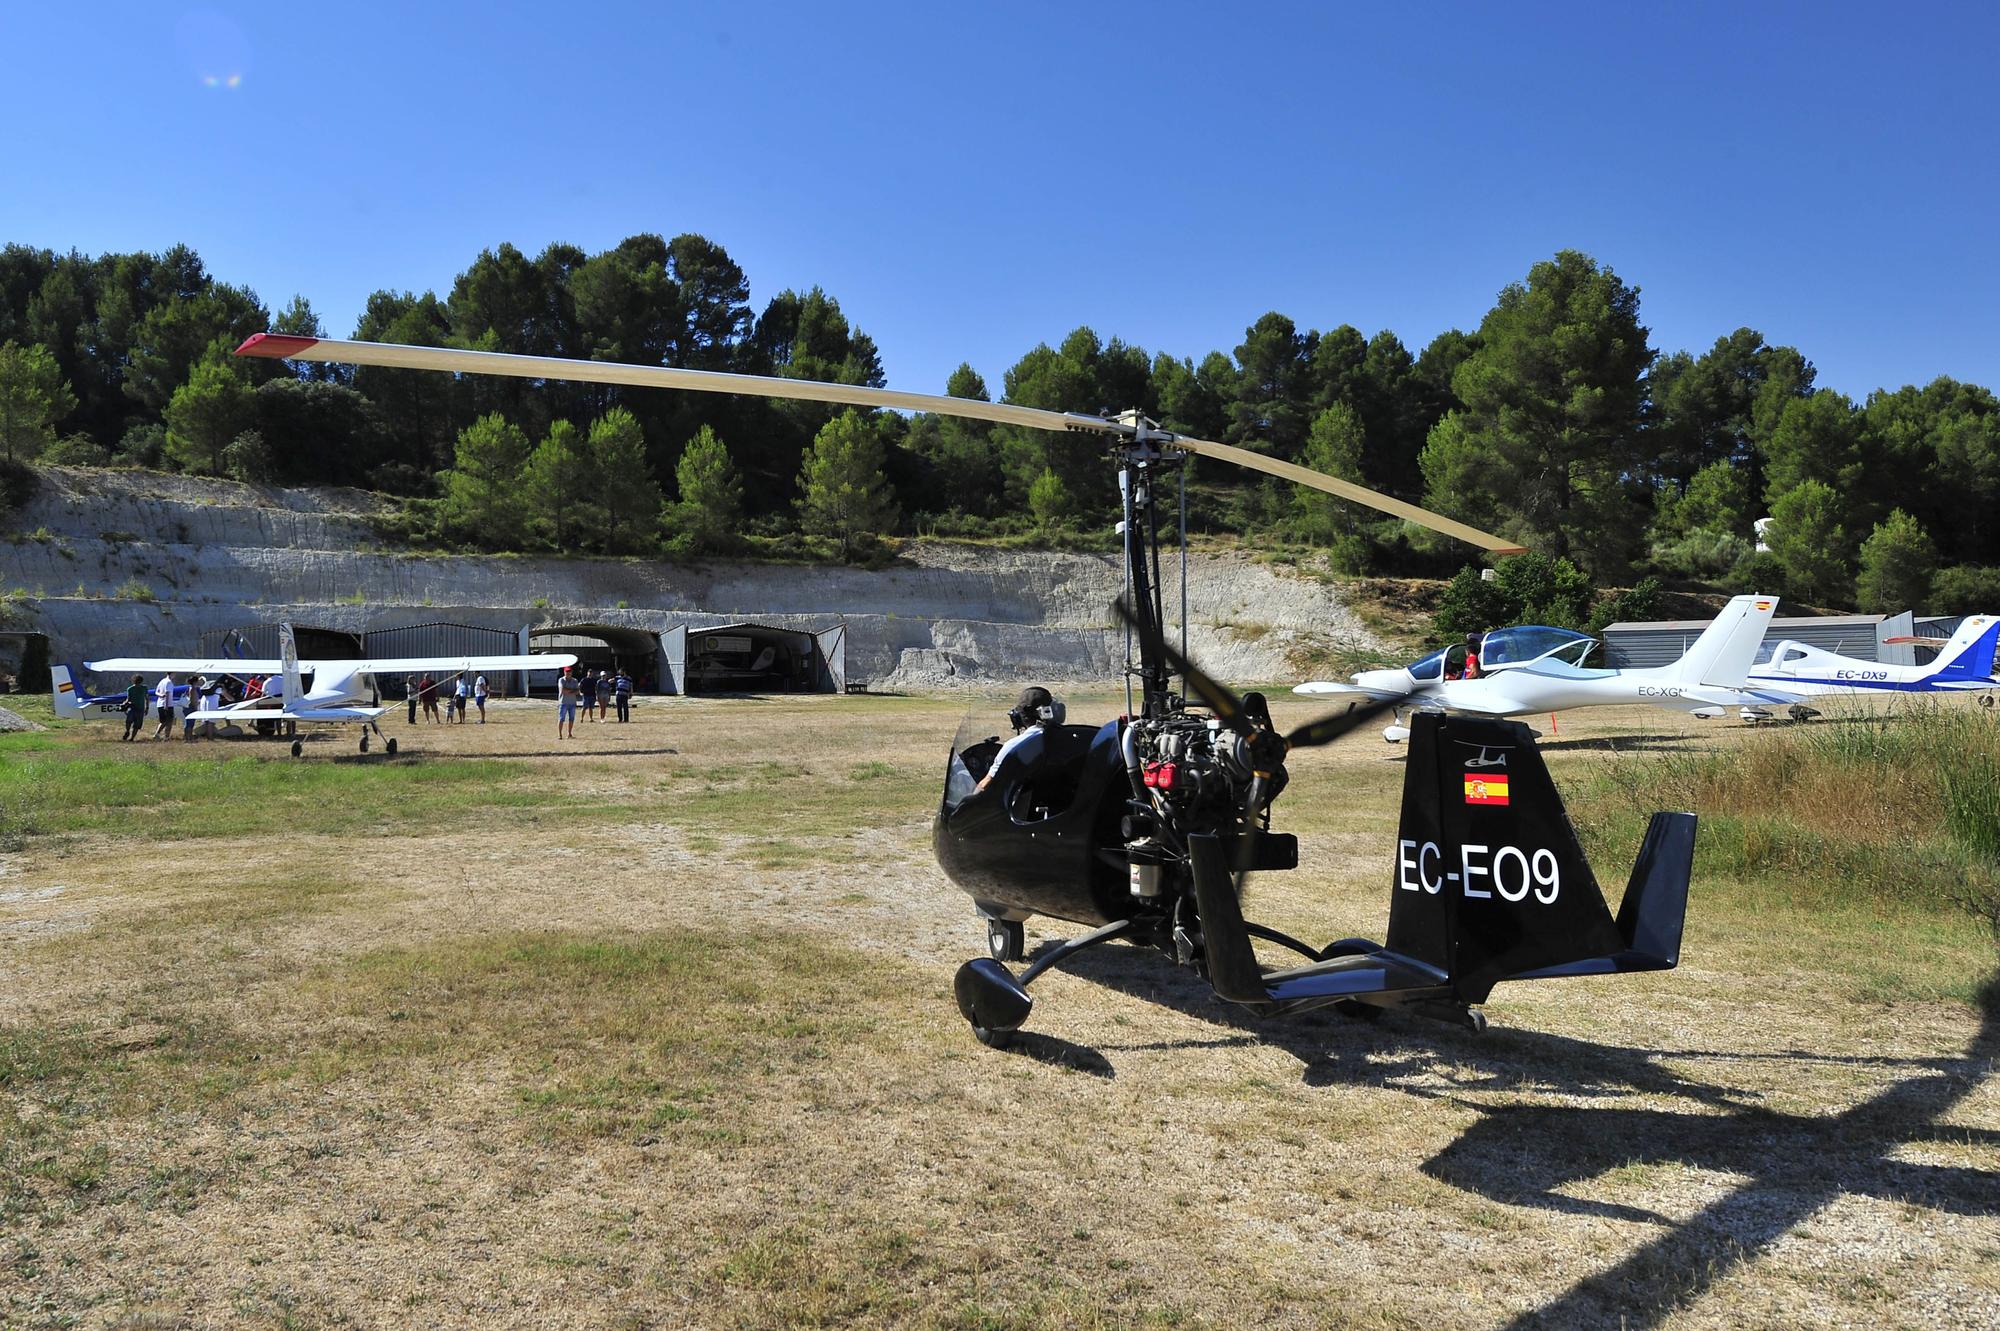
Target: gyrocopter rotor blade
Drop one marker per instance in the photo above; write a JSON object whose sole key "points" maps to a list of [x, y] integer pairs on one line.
{"points": [[451, 360]]}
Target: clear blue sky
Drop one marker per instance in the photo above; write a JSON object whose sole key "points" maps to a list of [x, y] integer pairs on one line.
{"points": [[969, 180]]}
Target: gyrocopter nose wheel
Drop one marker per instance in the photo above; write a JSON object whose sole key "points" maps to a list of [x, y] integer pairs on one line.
{"points": [[1006, 940]]}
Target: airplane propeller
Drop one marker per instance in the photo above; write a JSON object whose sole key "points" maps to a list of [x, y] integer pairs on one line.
{"points": [[1250, 717], [1131, 426]]}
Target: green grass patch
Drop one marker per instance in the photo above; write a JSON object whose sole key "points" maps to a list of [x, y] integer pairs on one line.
{"points": [[47, 791], [618, 1037], [1866, 845]]}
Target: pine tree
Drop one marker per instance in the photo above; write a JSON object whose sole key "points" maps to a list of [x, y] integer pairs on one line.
{"points": [[1898, 561], [207, 413], [33, 397], [482, 488], [843, 491], [629, 496], [710, 512], [560, 485]]}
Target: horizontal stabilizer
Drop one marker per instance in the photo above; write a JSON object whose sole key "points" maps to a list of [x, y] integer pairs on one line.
{"points": [[1654, 912]]}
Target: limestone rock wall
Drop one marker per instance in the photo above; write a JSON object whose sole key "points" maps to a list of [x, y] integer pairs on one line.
{"points": [[111, 562]]}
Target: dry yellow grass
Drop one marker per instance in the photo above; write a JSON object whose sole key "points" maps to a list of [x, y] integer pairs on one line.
{"points": [[660, 1034]]}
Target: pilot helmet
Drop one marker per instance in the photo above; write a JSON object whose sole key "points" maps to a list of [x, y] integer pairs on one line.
{"points": [[1035, 706]]}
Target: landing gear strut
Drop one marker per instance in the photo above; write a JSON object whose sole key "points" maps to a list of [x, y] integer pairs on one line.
{"points": [[995, 1004]]}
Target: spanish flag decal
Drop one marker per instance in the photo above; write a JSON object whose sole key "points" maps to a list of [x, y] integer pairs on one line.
{"points": [[1485, 789], [65, 687], [1763, 605]]}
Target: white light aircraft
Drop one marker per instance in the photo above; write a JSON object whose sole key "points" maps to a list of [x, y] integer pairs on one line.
{"points": [[342, 692], [1964, 664], [1537, 669]]}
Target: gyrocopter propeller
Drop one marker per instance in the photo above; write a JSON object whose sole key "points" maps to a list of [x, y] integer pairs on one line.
{"points": [[1144, 827]]}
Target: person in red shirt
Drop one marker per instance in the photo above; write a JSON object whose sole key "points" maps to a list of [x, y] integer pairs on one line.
{"points": [[1472, 670]]}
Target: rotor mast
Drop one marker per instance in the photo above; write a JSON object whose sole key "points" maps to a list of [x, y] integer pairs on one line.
{"points": [[1145, 455]]}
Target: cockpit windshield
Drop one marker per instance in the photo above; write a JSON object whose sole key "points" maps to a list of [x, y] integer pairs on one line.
{"points": [[1515, 645], [1527, 642], [1429, 667]]}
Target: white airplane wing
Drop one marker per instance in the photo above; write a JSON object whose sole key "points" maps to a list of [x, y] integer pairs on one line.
{"points": [[411, 665], [1325, 686], [243, 713], [449, 665], [189, 665]]}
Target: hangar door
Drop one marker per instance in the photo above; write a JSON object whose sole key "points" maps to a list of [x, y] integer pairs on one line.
{"points": [[753, 658]]}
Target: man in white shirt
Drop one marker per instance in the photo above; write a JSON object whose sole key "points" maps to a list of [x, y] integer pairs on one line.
{"points": [[1036, 709], [163, 705]]}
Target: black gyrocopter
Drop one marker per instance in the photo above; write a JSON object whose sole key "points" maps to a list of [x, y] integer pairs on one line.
{"points": [[1145, 827]]}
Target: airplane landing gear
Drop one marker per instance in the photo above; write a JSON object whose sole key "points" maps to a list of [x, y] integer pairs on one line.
{"points": [[298, 747], [392, 747], [364, 741]]}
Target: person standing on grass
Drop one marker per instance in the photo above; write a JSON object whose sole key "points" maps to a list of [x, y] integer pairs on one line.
{"points": [[603, 694], [569, 691], [621, 688], [588, 686], [461, 691], [163, 704], [410, 693], [135, 707], [427, 697], [479, 692], [196, 687]]}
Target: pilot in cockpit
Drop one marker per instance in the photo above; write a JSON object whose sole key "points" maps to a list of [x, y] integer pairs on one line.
{"points": [[1037, 708]]}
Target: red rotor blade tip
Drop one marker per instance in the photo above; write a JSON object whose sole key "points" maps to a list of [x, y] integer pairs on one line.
{"points": [[275, 346]]}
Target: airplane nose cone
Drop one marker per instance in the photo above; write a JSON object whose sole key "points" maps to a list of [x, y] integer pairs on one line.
{"points": [[1393, 681]]}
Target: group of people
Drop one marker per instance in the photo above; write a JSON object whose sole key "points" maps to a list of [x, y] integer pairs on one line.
{"points": [[596, 694], [425, 692], [199, 694]]}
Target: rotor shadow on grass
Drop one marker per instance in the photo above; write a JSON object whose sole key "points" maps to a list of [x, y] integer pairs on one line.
{"points": [[1537, 1155]]}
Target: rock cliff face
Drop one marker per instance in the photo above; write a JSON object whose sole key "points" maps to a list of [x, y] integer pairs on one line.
{"points": [[116, 562]]}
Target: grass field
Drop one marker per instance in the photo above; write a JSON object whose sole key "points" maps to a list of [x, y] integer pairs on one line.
{"points": [[653, 1028]]}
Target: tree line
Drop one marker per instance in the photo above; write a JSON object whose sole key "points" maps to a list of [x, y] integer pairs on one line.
{"points": [[1554, 422]]}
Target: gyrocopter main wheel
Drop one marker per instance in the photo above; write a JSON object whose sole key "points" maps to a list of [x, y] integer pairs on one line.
{"points": [[1006, 940]]}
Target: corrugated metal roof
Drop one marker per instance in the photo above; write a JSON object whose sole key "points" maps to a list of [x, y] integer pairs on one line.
{"points": [[1637, 645]]}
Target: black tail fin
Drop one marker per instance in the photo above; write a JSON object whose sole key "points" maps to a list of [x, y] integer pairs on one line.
{"points": [[1654, 910], [1489, 882]]}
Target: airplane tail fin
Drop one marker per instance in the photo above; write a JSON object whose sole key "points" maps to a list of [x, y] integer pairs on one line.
{"points": [[68, 695], [288, 655], [1490, 884], [1727, 648], [1507, 894], [1969, 654]]}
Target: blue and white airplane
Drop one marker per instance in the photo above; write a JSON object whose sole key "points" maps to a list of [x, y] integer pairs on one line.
{"points": [[72, 700], [1963, 665]]}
